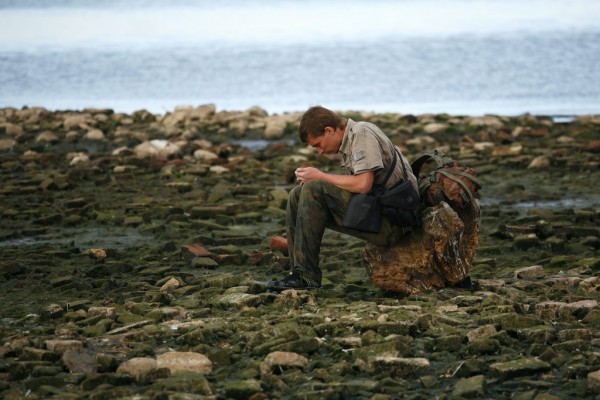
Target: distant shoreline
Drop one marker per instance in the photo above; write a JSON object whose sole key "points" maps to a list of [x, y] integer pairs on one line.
{"points": [[565, 117]]}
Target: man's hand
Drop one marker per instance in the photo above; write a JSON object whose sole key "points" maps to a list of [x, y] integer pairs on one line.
{"points": [[304, 174]]}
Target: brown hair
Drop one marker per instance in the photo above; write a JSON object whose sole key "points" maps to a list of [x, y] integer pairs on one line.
{"points": [[316, 119]]}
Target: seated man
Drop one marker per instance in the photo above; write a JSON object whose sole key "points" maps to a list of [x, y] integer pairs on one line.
{"points": [[321, 199]]}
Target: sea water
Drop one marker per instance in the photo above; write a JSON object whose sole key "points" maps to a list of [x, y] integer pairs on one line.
{"points": [[467, 57]]}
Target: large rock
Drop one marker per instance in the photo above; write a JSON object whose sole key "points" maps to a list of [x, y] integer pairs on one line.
{"points": [[436, 255]]}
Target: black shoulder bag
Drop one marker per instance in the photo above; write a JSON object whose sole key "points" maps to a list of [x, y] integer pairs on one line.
{"points": [[399, 204]]}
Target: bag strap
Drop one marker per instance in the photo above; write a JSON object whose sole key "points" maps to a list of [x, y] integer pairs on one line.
{"points": [[391, 169], [393, 166]]}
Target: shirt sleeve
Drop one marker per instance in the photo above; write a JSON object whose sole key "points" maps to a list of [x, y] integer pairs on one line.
{"points": [[366, 153]]}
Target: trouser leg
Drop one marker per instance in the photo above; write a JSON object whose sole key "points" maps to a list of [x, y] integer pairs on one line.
{"points": [[311, 208]]}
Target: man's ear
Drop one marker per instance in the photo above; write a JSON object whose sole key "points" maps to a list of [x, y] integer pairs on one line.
{"points": [[329, 130]]}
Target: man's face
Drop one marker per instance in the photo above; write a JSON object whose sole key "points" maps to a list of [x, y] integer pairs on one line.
{"points": [[329, 143]]}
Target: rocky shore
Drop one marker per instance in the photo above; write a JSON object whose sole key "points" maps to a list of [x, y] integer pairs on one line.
{"points": [[134, 250]]}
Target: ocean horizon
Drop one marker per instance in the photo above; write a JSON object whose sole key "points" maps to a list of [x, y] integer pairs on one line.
{"points": [[467, 57]]}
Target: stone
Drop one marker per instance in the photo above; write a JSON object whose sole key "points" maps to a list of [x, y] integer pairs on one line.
{"points": [[52, 311], [527, 241], [278, 360], [7, 144], [60, 346], [539, 162], [170, 285], [218, 169], [481, 332], [279, 243], [137, 367], [488, 121], [436, 255], [519, 367], [399, 367], [77, 158], [106, 312], [161, 149], [473, 387], [205, 155], [94, 134], [78, 361], [242, 389], [204, 262], [275, 127], [533, 272], [434, 127], [184, 361], [46, 137], [593, 382], [237, 300], [75, 121]]}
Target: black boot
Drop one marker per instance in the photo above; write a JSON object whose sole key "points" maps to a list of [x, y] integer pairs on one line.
{"points": [[295, 280]]}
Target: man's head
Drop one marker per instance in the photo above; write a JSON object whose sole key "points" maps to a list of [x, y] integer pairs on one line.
{"points": [[322, 129]]}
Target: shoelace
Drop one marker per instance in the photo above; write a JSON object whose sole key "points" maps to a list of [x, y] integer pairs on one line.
{"points": [[308, 282]]}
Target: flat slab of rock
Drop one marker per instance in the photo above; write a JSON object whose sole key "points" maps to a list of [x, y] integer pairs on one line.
{"points": [[436, 255]]}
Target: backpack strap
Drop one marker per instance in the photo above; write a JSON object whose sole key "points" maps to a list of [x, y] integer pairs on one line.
{"points": [[466, 175], [449, 175], [435, 155]]}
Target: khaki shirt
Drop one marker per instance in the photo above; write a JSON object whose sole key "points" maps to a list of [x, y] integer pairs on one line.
{"points": [[366, 148]]}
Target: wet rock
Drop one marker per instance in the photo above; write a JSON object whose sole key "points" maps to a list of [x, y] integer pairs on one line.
{"points": [[434, 127], [138, 367], [242, 389], [277, 361], [275, 127], [78, 361], [47, 137], [434, 256], [399, 367], [539, 162], [518, 368], [7, 144], [237, 300], [161, 149], [184, 361], [526, 242], [473, 387], [593, 382], [205, 155], [60, 346], [279, 243], [52, 311], [481, 332], [171, 285], [76, 121], [95, 134], [533, 272]]}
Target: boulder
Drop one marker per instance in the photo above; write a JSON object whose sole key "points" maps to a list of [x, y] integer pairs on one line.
{"points": [[435, 255]]}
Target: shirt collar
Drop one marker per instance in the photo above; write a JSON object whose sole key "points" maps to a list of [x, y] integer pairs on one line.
{"points": [[345, 141]]}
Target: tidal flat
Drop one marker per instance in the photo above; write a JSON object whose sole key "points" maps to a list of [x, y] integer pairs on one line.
{"points": [[134, 251]]}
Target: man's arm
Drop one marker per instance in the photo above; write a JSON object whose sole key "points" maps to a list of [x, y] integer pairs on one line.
{"points": [[360, 183]]}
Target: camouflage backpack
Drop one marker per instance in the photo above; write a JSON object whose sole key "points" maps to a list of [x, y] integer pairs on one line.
{"points": [[450, 181]]}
